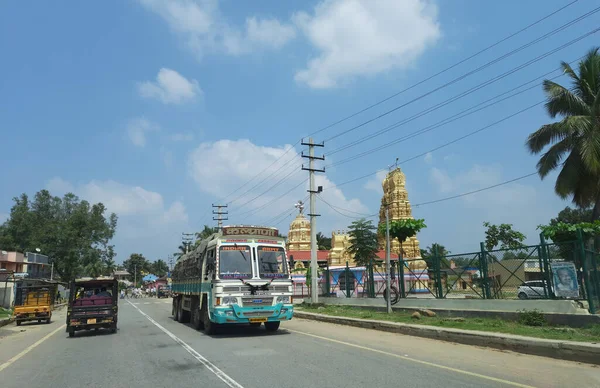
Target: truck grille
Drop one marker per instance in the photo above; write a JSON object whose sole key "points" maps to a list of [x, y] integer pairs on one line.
{"points": [[257, 301], [259, 313]]}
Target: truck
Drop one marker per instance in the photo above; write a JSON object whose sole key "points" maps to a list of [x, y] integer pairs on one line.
{"points": [[34, 301], [239, 275]]}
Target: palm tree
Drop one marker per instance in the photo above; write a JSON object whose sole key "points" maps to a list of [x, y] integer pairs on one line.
{"points": [[109, 266], [576, 137]]}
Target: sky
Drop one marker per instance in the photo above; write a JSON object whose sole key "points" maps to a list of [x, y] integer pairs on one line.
{"points": [[160, 109]]}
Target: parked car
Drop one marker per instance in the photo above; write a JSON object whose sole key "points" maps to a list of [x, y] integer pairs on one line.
{"points": [[533, 289]]}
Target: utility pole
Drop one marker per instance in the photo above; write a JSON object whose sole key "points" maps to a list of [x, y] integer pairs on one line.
{"points": [[135, 275], [314, 269], [387, 260], [219, 214], [187, 239]]}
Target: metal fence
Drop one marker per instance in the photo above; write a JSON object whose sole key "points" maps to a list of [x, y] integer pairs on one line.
{"points": [[545, 271]]}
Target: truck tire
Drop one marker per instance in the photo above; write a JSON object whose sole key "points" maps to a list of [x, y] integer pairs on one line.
{"points": [[272, 326], [210, 327], [71, 332], [197, 319], [178, 311]]}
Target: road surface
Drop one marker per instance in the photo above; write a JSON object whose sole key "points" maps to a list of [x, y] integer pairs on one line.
{"points": [[150, 349]]}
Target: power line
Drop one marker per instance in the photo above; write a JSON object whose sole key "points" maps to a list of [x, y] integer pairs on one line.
{"points": [[466, 92], [498, 59], [455, 117], [476, 191], [443, 145], [335, 208], [444, 70], [253, 211]]}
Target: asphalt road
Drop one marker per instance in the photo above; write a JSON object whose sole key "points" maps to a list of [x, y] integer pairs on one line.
{"points": [[150, 349]]}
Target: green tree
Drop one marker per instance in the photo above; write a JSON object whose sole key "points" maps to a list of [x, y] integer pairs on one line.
{"points": [[502, 235], [73, 233], [323, 242], [135, 265], [572, 216], [206, 232], [159, 268], [109, 267], [428, 255], [574, 146], [403, 229], [95, 268], [363, 241]]}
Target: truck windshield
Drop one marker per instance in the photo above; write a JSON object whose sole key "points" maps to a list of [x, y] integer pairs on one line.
{"points": [[235, 262], [271, 262]]}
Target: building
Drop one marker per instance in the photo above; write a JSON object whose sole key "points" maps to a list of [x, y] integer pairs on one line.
{"points": [[416, 275], [13, 262]]}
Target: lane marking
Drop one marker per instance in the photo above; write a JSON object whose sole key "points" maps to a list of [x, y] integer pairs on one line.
{"points": [[209, 365], [30, 348], [512, 383]]}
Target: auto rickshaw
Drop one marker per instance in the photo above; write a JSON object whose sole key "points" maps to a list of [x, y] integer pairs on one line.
{"points": [[93, 304]]}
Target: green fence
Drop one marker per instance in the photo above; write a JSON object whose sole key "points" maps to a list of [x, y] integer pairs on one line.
{"points": [[568, 270]]}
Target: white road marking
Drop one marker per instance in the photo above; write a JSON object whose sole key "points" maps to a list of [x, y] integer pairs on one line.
{"points": [[30, 348], [209, 365], [146, 302]]}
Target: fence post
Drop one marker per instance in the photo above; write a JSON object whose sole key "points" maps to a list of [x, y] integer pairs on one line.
{"points": [[327, 281], [401, 275], [586, 277], [544, 267], [371, 280], [487, 294], [347, 280], [438, 276]]}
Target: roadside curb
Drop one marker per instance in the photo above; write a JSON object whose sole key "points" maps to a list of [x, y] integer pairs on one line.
{"points": [[562, 350], [5, 322]]}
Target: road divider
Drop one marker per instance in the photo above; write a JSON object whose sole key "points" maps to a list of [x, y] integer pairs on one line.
{"points": [[562, 350]]}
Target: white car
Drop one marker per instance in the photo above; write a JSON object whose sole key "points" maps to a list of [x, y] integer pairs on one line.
{"points": [[533, 289]]}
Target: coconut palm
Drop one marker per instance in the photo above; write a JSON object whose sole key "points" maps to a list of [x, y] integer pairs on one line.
{"points": [[574, 140]]}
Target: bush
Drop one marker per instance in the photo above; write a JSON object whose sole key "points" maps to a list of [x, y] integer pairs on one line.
{"points": [[532, 318]]}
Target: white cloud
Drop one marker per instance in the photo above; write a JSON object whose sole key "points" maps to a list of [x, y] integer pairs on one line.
{"points": [[375, 182], [182, 136], [359, 38], [167, 156], [137, 129], [170, 87], [428, 158], [221, 167], [145, 223], [204, 29]]}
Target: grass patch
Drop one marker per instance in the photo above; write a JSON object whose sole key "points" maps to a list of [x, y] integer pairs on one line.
{"points": [[4, 313], [587, 334]]}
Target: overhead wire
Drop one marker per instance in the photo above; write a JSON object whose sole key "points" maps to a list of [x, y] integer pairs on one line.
{"points": [[465, 75], [444, 70]]}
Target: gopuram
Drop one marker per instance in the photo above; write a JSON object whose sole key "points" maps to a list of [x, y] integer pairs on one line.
{"points": [[395, 194]]}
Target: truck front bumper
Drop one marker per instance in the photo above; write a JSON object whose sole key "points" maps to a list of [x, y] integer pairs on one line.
{"points": [[237, 314]]}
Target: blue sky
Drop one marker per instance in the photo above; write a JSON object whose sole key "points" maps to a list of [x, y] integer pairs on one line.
{"points": [[160, 109]]}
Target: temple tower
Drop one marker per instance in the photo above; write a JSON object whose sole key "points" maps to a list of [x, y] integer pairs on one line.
{"points": [[395, 194], [298, 238]]}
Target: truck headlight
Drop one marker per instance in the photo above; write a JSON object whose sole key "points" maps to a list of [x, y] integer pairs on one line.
{"points": [[283, 299], [229, 300]]}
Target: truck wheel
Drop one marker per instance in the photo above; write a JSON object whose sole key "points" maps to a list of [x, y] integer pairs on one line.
{"points": [[197, 321], [18, 323], [71, 332], [272, 326], [178, 311], [210, 327], [113, 328]]}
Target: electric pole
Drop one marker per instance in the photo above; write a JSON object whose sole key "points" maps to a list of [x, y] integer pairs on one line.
{"points": [[187, 239], [314, 268], [219, 214], [387, 260]]}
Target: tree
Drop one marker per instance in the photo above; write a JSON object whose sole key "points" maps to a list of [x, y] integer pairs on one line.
{"points": [[73, 233], [429, 253], [574, 138], [323, 243], [135, 265], [403, 229], [502, 235], [206, 232], [159, 268], [572, 216], [363, 241], [95, 268], [184, 248], [109, 267]]}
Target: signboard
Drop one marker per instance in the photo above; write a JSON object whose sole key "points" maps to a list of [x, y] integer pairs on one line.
{"points": [[250, 230], [564, 276]]}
